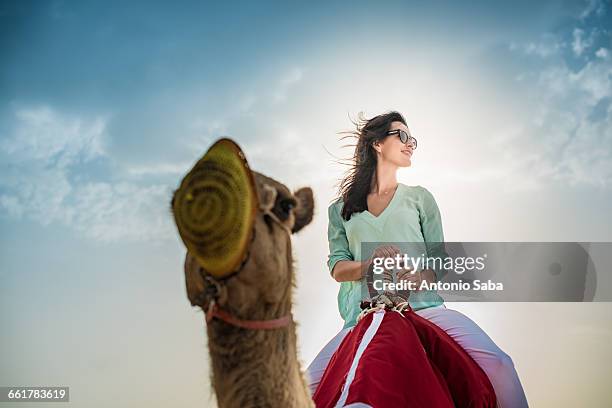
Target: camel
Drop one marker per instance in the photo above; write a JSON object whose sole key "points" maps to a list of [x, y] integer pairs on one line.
{"points": [[237, 224]]}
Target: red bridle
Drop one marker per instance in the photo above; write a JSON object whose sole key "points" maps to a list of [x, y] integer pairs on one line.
{"points": [[215, 311]]}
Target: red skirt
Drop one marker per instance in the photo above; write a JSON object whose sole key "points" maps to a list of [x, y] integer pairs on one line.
{"points": [[393, 359]]}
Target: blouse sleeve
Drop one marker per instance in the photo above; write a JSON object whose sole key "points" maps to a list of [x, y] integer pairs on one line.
{"points": [[431, 227], [336, 236]]}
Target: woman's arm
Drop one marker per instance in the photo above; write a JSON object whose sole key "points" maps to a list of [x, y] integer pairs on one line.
{"points": [[345, 271], [339, 252], [355, 270]]}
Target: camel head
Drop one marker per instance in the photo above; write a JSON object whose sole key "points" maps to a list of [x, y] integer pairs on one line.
{"points": [[237, 225]]}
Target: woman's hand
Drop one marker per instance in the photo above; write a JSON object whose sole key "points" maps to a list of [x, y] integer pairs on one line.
{"points": [[417, 278], [384, 251]]}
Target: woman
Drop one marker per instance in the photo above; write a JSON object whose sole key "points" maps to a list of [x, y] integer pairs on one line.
{"points": [[374, 207]]}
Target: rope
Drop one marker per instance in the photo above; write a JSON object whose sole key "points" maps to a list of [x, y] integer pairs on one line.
{"points": [[365, 312]]}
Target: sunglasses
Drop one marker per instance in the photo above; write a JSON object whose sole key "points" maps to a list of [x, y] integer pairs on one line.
{"points": [[404, 137]]}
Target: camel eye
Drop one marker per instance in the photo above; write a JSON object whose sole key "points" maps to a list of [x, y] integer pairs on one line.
{"points": [[284, 206], [287, 205]]}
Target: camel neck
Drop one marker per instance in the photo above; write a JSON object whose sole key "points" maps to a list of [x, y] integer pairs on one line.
{"points": [[264, 362]]}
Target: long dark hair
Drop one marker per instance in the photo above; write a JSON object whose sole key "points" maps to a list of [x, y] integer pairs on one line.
{"points": [[355, 186]]}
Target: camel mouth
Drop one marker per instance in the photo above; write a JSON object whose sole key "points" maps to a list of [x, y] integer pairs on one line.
{"points": [[215, 206]]}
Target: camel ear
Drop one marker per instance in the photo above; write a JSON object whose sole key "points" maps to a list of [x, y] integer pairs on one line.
{"points": [[304, 210]]}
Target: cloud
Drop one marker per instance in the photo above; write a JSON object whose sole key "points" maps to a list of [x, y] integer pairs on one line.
{"points": [[264, 127], [602, 53], [596, 7], [568, 115], [547, 46], [580, 43], [158, 169], [44, 135], [292, 77], [122, 211], [58, 169], [47, 158]]}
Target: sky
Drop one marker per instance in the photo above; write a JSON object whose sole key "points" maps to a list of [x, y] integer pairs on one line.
{"points": [[105, 105]]}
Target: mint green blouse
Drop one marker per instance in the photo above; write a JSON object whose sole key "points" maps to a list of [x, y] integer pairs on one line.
{"points": [[412, 216]]}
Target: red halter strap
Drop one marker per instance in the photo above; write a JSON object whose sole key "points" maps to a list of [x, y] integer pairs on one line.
{"points": [[216, 311]]}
